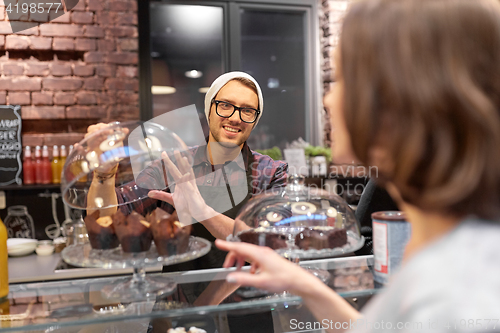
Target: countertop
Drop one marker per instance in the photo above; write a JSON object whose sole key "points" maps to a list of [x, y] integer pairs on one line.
{"points": [[35, 268], [202, 298]]}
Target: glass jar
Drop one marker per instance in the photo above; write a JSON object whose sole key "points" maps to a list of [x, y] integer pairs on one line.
{"points": [[76, 233], [19, 223]]}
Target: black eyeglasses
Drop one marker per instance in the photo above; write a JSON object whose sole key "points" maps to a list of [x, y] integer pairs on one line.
{"points": [[226, 110]]}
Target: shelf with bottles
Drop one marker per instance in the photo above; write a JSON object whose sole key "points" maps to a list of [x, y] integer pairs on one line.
{"points": [[29, 187], [43, 170]]}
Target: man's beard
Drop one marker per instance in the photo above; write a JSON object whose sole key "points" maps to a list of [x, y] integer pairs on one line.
{"points": [[217, 137], [228, 144]]}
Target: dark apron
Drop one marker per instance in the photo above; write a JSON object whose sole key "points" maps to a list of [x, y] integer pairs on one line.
{"points": [[211, 195], [260, 322]]}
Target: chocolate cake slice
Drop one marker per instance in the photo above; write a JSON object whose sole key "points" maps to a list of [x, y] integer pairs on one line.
{"points": [[321, 238], [101, 231], [170, 236], [133, 232], [264, 238]]}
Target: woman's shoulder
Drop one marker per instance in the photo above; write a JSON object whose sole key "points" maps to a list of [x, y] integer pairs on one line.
{"points": [[450, 280], [468, 250]]}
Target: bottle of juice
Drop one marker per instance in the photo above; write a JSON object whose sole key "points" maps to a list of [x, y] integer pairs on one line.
{"points": [[63, 154], [5, 310], [38, 165], [28, 167], [56, 166], [47, 169], [62, 159], [4, 267]]}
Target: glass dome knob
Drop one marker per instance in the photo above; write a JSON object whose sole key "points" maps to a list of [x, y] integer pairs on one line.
{"points": [[296, 182]]}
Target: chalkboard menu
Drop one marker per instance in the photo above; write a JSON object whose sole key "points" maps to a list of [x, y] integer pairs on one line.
{"points": [[10, 145]]}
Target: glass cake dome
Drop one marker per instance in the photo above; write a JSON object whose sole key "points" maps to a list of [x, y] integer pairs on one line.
{"points": [[109, 175], [125, 150], [300, 222]]}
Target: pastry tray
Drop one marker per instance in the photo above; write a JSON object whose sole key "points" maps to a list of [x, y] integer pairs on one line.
{"points": [[84, 256]]}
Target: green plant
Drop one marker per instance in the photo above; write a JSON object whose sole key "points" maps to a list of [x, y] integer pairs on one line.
{"points": [[311, 151], [274, 153]]}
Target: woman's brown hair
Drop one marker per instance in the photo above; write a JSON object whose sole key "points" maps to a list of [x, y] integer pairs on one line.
{"points": [[422, 85]]}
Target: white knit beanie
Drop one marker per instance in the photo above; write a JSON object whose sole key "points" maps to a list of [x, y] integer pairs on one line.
{"points": [[221, 82]]}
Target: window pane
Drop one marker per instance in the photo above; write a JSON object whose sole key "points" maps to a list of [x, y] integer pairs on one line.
{"points": [[186, 42], [273, 51]]}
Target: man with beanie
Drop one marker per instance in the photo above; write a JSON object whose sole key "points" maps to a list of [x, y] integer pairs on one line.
{"points": [[226, 173]]}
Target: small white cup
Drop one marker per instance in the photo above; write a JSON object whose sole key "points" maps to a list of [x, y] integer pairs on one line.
{"points": [[44, 248]]}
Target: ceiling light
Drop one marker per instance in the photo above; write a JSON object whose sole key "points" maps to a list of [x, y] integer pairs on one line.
{"points": [[193, 74], [162, 90], [203, 90]]}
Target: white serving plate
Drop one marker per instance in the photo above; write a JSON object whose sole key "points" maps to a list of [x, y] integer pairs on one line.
{"points": [[17, 247]]}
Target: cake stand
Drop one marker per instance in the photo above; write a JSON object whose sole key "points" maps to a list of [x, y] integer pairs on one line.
{"points": [[295, 255], [139, 287], [354, 243]]}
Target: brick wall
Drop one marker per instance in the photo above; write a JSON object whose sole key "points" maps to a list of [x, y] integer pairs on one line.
{"points": [[76, 70], [331, 14], [81, 68]]}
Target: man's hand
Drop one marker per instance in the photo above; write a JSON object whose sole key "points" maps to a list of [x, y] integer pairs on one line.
{"points": [[94, 140], [95, 128], [186, 197]]}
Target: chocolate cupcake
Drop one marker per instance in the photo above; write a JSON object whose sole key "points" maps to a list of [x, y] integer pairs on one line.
{"points": [[169, 235], [101, 231], [321, 238], [133, 232]]}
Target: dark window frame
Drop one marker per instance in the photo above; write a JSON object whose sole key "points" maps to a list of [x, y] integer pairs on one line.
{"points": [[232, 42]]}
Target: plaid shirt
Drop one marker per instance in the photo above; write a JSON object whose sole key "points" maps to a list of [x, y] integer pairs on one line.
{"points": [[266, 175]]}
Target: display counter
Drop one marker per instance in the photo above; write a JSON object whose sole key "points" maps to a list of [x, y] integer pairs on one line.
{"points": [[35, 268], [202, 298]]}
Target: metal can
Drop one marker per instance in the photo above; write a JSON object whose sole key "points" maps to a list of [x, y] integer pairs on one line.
{"points": [[391, 233]]}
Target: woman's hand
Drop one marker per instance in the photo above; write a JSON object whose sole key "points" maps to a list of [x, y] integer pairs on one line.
{"points": [[269, 270], [274, 273]]}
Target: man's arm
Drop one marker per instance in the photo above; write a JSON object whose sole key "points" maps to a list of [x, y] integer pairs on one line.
{"points": [[268, 174], [102, 194], [103, 191], [102, 188], [280, 175]]}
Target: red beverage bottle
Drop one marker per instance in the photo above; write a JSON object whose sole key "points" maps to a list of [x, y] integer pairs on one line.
{"points": [[38, 165], [28, 167], [46, 167]]}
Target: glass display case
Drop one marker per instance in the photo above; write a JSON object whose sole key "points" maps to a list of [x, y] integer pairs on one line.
{"points": [[202, 299]]}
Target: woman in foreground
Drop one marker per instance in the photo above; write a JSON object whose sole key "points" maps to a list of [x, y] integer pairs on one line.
{"points": [[417, 96]]}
